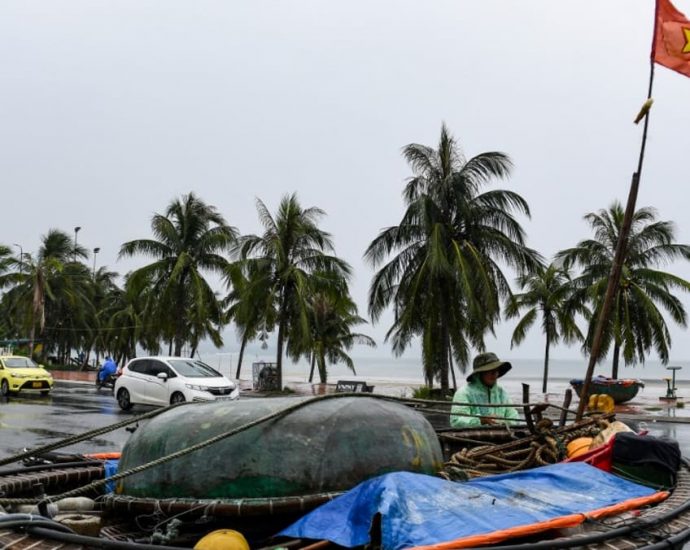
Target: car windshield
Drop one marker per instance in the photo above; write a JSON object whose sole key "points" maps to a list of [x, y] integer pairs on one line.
{"points": [[193, 369], [20, 363]]}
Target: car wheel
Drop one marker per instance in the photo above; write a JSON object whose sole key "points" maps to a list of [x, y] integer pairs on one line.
{"points": [[4, 388], [177, 397], [123, 399], [45, 392]]}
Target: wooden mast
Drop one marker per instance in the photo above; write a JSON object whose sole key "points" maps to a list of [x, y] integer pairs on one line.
{"points": [[619, 255]]}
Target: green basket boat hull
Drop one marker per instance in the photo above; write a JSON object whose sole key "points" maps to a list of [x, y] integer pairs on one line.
{"points": [[326, 446], [619, 391]]}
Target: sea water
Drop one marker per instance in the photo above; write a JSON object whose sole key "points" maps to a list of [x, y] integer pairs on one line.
{"points": [[399, 376], [408, 369]]}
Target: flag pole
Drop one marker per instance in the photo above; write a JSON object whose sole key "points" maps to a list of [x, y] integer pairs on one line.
{"points": [[621, 248]]}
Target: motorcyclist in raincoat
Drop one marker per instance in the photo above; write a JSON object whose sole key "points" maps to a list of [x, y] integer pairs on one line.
{"points": [[482, 388], [109, 367]]}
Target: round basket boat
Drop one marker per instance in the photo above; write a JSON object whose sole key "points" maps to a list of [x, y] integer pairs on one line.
{"points": [[325, 446]]}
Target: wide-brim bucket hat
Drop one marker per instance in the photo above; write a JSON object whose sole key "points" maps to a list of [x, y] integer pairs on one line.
{"points": [[485, 362]]}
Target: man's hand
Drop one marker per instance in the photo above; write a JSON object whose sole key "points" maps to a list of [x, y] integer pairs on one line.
{"points": [[487, 420]]}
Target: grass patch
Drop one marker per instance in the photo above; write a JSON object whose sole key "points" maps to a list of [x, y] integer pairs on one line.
{"points": [[433, 394], [653, 409], [422, 392], [680, 405]]}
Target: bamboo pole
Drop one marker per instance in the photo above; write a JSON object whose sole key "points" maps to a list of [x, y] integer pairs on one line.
{"points": [[618, 259]]}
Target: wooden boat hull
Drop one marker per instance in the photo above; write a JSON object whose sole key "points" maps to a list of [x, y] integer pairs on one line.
{"points": [[619, 390]]}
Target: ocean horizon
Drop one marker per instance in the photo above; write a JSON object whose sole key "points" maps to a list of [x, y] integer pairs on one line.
{"points": [[408, 370]]}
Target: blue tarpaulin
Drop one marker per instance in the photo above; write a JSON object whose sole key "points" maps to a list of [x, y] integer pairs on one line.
{"points": [[110, 470], [419, 510]]}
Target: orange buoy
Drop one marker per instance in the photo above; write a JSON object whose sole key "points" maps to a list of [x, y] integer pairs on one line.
{"points": [[578, 446], [222, 539]]}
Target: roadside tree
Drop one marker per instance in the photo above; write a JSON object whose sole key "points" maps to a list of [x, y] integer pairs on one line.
{"points": [[445, 281], [637, 324], [284, 260], [547, 296], [189, 239]]}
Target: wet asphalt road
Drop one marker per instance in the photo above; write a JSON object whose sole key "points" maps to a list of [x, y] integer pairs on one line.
{"points": [[71, 408]]}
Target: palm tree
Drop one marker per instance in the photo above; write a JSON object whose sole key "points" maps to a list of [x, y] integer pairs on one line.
{"points": [[637, 324], [291, 250], [49, 283], [7, 263], [188, 239], [70, 310], [124, 318], [9, 276], [251, 304], [104, 289], [332, 317], [445, 283], [547, 293]]}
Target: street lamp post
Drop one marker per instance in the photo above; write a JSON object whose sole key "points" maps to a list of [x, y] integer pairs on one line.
{"points": [[76, 230], [21, 257], [95, 251]]}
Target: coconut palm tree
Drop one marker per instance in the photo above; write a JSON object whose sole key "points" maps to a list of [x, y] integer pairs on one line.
{"points": [[8, 263], [70, 311], [547, 295], [103, 289], [123, 316], [332, 318], [189, 239], [9, 276], [291, 250], [49, 283], [251, 303], [637, 324], [446, 282]]}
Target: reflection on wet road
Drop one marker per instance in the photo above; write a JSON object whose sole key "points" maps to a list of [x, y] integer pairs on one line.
{"points": [[71, 408]]}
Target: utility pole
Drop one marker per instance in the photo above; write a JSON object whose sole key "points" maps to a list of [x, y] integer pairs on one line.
{"points": [[95, 251]]}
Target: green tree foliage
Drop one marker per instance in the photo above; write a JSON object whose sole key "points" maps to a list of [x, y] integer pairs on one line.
{"points": [[445, 281], [282, 263], [547, 295], [189, 239], [636, 325], [251, 303], [332, 316], [50, 295]]}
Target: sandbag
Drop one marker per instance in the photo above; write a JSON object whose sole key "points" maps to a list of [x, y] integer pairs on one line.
{"points": [[607, 433]]}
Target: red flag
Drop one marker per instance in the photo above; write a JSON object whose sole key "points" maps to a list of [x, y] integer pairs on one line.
{"points": [[671, 38]]}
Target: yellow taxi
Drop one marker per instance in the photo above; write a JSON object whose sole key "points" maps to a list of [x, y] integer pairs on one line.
{"points": [[22, 374]]}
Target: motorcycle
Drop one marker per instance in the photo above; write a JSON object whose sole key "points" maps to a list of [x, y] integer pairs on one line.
{"points": [[108, 382]]}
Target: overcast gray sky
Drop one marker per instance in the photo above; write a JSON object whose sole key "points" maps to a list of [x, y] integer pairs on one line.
{"points": [[108, 110]]}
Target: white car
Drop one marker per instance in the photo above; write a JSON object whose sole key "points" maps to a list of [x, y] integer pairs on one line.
{"points": [[167, 380]]}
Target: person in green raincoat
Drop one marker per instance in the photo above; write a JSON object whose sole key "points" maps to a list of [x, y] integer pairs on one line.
{"points": [[482, 388]]}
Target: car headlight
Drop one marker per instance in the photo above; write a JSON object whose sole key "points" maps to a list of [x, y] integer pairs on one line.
{"points": [[18, 375], [195, 387]]}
